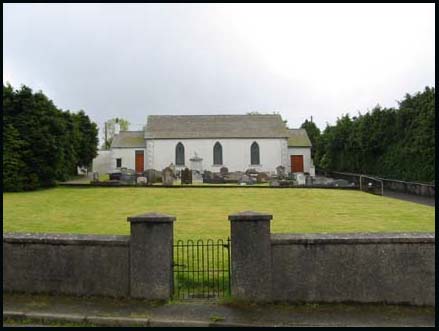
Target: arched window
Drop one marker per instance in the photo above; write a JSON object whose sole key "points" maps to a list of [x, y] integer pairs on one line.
{"points": [[179, 154], [254, 152], [217, 154]]}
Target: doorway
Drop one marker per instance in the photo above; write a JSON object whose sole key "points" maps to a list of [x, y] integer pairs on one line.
{"points": [[296, 163], [140, 159]]}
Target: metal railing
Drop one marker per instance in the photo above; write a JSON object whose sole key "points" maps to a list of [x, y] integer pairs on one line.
{"points": [[371, 185], [201, 270]]}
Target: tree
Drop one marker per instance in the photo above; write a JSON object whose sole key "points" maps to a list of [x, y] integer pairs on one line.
{"points": [[314, 135], [394, 143], [88, 139], [41, 143], [110, 129]]}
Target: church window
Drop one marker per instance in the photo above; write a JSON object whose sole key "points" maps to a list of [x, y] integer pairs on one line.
{"points": [[254, 152], [217, 154], [179, 154]]}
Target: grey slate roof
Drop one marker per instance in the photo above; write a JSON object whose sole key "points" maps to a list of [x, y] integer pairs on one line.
{"points": [[128, 139], [298, 138], [215, 126]]}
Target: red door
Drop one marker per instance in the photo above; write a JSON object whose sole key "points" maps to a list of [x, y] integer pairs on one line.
{"points": [[139, 162], [296, 163]]}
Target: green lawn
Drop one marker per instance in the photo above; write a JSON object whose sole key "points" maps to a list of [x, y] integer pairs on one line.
{"points": [[202, 213]]}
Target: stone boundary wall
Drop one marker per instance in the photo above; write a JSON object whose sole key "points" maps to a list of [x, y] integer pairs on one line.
{"points": [[66, 264], [421, 189], [394, 268], [138, 266]]}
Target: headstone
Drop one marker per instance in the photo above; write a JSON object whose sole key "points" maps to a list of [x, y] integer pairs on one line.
{"points": [[234, 175], [142, 180], [217, 179], [196, 177], [207, 176], [186, 176], [274, 183], [262, 177], [172, 166], [251, 171], [128, 177], [196, 163], [224, 171], [153, 176], [300, 178], [280, 172], [115, 175], [167, 177], [245, 179]]}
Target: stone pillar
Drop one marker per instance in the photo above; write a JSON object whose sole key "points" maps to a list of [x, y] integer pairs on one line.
{"points": [[251, 256], [151, 256]]}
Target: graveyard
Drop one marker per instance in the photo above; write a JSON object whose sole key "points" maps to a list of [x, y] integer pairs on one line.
{"points": [[202, 213]]}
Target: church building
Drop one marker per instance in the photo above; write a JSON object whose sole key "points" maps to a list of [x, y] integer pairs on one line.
{"points": [[209, 142]]}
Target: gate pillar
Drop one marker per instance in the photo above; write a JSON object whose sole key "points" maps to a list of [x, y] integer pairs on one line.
{"points": [[251, 256], [151, 254]]}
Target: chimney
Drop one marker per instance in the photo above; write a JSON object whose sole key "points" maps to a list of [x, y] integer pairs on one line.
{"points": [[116, 128]]}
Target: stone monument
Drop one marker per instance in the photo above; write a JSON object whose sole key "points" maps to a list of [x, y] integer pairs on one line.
{"points": [[167, 177], [186, 176]]}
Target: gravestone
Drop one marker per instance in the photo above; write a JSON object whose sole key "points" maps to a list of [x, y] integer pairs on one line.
{"points": [[245, 180], [218, 179], [167, 177], [152, 176], [142, 180], [251, 171], [300, 178], [186, 176], [207, 176], [172, 166], [196, 163], [128, 177], [224, 171], [262, 177], [196, 177], [274, 183], [280, 172], [234, 175]]}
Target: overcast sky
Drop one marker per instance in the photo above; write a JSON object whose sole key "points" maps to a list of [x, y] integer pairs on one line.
{"points": [[302, 60]]}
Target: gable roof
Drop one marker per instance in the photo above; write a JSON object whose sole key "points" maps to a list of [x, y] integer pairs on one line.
{"points": [[128, 139], [298, 138], [215, 126]]}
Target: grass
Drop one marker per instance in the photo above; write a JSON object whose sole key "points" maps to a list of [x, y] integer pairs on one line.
{"points": [[202, 213]]}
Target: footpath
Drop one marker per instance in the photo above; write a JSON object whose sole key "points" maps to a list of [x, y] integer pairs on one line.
{"points": [[38, 310]]}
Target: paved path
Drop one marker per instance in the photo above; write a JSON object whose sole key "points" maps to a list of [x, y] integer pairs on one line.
{"points": [[410, 197], [101, 311]]}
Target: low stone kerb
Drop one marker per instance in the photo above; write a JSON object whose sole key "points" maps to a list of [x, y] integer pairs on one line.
{"points": [[151, 218], [249, 215]]}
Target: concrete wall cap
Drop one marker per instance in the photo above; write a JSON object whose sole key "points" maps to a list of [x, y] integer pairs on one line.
{"points": [[65, 239], [151, 218], [249, 215], [351, 238]]}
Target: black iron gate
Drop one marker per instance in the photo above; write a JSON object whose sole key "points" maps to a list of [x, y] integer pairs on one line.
{"points": [[201, 269]]}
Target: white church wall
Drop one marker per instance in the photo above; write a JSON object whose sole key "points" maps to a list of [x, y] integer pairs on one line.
{"points": [[102, 162], [128, 156], [236, 153], [305, 151]]}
